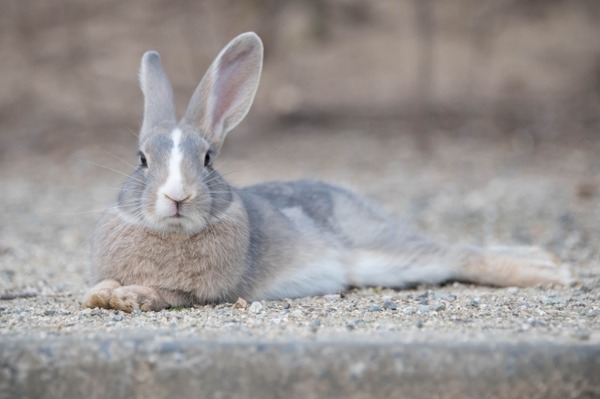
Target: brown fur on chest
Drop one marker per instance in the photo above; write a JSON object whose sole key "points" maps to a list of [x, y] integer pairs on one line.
{"points": [[207, 265]]}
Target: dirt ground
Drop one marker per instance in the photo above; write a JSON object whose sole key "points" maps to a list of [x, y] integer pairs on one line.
{"points": [[461, 187]]}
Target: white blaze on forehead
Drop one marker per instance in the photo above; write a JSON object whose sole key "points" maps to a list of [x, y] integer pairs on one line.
{"points": [[173, 187]]}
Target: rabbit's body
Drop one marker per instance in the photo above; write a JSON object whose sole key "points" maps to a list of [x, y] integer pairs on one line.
{"points": [[273, 240], [181, 235]]}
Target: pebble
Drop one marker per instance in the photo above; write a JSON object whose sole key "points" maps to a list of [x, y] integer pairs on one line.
{"points": [[118, 317], [374, 308], [438, 307], [423, 298], [554, 300], [96, 312], [255, 307], [240, 303], [423, 308], [391, 305]]}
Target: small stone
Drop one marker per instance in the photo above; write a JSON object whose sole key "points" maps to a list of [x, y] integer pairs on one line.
{"points": [[332, 297], [374, 308], [409, 310], [49, 312], [85, 312], [419, 323], [136, 312], [391, 305], [351, 326], [96, 312], [240, 303], [592, 313], [474, 302], [554, 300], [255, 307], [287, 305], [424, 301], [423, 308], [535, 323], [118, 317], [438, 307]]}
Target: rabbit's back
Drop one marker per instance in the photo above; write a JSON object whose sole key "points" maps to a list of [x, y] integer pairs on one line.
{"points": [[331, 212]]}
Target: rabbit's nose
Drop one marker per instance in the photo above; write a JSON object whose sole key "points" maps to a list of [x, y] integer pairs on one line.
{"points": [[179, 198]]}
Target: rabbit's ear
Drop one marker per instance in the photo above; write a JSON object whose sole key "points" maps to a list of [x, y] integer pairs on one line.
{"points": [[159, 109], [227, 90]]}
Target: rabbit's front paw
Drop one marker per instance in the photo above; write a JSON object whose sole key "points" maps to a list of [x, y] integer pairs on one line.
{"points": [[99, 295], [131, 297]]}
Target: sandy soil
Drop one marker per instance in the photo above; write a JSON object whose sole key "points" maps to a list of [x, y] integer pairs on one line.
{"points": [[462, 186]]}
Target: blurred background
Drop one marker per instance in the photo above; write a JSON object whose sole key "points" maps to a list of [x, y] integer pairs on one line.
{"points": [[68, 71], [476, 120]]}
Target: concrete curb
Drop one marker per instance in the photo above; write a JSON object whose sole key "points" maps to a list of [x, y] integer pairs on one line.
{"points": [[150, 366]]}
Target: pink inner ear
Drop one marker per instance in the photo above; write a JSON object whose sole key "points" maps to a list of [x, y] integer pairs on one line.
{"points": [[230, 78]]}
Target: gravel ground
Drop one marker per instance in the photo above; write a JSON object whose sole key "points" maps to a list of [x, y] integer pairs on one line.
{"points": [[463, 188]]}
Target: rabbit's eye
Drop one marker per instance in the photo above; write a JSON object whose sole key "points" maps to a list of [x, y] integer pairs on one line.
{"points": [[143, 161], [207, 159]]}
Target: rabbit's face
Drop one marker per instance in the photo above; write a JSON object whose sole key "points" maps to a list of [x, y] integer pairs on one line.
{"points": [[175, 188]]}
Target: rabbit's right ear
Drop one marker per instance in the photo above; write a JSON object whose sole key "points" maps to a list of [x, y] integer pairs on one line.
{"points": [[159, 108], [227, 90]]}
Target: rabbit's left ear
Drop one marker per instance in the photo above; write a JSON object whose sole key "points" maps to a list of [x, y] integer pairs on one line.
{"points": [[159, 108], [226, 92]]}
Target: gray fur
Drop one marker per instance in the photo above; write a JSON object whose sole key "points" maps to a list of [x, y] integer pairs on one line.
{"points": [[215, 242]]}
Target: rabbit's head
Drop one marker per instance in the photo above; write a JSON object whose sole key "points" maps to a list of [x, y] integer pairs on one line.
{"points": [[175, 188]]}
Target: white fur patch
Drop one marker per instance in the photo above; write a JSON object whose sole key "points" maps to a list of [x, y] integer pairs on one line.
{"points": [[318, 274], [374, 268], [172, 190]]}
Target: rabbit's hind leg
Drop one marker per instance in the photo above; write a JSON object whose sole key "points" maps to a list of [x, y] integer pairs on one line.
{"points": [[515, 266], [428, 262]]}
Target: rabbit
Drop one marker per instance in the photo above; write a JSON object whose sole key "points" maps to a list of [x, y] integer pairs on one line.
{"points": [[180, 235]]}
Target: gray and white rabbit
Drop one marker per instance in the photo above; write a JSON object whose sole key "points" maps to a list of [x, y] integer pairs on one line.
{"points": [[181, 235]]}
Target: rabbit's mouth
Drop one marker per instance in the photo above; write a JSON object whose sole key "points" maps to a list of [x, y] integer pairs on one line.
{"points": [[178, 223]]}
